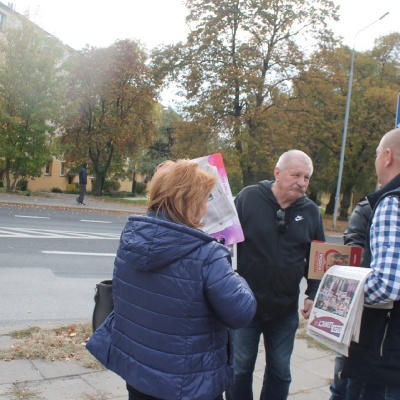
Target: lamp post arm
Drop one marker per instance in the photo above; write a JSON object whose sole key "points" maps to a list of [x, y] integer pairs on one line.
{"points": [[363, 29]]}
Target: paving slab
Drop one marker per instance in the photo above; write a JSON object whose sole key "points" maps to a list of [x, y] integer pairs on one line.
{"points": [[56, 369], [107, 382], [18, 371], [4, 390], [67, 388], [302, 380], [6, 341]]}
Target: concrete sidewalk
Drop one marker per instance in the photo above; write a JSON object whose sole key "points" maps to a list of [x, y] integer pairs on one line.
{"points": [[68, 201], [312, 368]]}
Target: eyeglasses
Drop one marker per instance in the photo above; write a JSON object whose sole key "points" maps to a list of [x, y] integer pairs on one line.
{"points": [[280, 221]]}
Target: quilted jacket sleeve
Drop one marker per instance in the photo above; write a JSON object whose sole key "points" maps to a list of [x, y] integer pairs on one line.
{"points": [[356, 230], [229, 294]]}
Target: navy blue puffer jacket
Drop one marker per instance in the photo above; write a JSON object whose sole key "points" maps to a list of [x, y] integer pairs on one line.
{"points": [[175, 298]]}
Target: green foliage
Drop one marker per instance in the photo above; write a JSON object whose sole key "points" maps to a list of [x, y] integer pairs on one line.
{"points": [[318, 104], [30, 92], [141, 188], [235, 182], [109, 185], [75, 190], [55, 190], [160, 150], [22, 185], [124, 194]]}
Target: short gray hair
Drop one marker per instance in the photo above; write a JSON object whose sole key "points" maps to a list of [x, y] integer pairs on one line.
{"points": [[288, 155]]}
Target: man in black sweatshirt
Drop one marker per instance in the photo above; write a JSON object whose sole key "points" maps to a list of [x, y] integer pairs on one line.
{"points": [[279, 223]]}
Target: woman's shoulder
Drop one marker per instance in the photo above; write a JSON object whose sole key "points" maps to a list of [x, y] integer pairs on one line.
{"points": [[215, 252]]}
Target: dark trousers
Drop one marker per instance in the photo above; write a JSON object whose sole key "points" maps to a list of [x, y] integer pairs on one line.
{"points": [[136, 395], [82, 193], [278, 333], [338, 385], [359, 390]]}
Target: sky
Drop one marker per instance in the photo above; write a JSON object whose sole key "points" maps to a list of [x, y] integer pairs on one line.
{"points": [[154, 22]]}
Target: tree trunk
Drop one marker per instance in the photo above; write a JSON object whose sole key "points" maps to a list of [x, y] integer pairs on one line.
{"points": [[98, 184], [345, 203], [331, 205], [100, 170], [134, 184], [313, 196], [8, 171], [249, 177]]}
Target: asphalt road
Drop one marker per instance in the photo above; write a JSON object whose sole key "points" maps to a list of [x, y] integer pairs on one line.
{"points": [[69, 243], [51, 261], [337, 239]]}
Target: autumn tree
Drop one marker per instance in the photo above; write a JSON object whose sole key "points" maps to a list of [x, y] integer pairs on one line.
{"points": [[319, 99], [161, 148], [376, 84], [315, 111], [110, 111], [30, 95], [238, 59]]}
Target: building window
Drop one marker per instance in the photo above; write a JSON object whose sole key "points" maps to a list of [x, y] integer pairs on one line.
{"points": [[47, 168], [62, 169]]}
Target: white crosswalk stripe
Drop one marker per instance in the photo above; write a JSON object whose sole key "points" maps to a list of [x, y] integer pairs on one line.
{"points": [[6, 232]]}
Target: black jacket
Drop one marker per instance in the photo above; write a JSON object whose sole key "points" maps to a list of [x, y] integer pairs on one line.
{"points": [[274, 263], [376, 357], [356, 230], [83, 175]]}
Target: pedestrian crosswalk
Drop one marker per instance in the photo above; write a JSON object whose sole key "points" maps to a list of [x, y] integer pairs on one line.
{"points": [[15, 233]]}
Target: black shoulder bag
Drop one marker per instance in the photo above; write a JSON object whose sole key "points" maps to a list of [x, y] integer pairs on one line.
{"points": [[103, 303]]}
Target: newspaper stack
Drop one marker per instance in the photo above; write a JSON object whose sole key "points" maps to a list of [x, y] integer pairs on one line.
{"points": [[336, 314]]}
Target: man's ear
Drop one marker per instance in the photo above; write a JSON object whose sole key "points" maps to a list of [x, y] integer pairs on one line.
{"points": [[276, 173], [389, 157]]}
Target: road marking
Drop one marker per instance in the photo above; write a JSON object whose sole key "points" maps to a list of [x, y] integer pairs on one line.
{"points": [[97, 222], [8, 232], [77, 253], [30, 216]]}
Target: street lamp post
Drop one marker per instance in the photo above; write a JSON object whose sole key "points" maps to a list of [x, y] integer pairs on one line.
{"points": [[346, 121]]}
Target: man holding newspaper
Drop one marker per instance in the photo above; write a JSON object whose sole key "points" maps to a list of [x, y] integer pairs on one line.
{"points": [[373, 365], [354, 235]]}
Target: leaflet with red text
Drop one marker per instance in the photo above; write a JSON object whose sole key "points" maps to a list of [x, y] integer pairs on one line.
{"points": [[336, 314]]}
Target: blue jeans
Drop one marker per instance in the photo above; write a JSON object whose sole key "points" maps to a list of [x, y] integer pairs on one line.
{"points": [[338, 385], [358, 390], [279, 334]]}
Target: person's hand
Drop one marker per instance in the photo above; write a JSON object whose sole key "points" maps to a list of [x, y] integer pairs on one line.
{"points": [[305, 312]]}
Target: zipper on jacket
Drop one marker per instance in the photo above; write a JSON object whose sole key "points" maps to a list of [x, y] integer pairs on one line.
{"points": [[385, 333]]}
